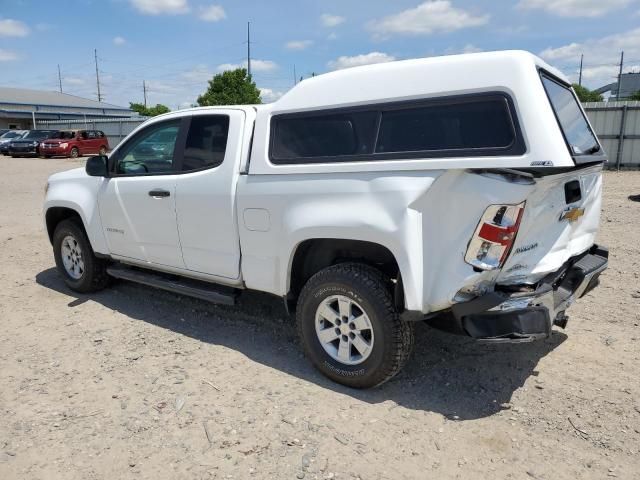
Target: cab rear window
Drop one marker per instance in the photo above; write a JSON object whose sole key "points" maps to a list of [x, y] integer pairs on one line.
{"points": [[573, 123]]}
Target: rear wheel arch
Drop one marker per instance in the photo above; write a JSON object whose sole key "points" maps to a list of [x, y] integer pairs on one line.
{"points": [[314, 255]]}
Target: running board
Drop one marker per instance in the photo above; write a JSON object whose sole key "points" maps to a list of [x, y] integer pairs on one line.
{"points": [[184, 286]]}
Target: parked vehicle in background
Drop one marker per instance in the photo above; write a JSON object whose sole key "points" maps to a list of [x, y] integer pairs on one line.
{"points": [[29, 144], [8, 137], [3, 131], [74, 143], [465, 188]]}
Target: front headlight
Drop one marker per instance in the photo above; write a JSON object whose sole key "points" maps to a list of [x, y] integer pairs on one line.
{"points": [[35, 144], [64, 145]]}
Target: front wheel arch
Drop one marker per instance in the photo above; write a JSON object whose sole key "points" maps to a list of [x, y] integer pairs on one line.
{"points": [[55, 215]]}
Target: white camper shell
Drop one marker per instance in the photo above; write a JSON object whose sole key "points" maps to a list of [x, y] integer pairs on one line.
{"points": [[463, 189]]}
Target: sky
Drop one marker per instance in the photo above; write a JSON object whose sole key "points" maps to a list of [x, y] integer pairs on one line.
{"points": [[176, 46]]}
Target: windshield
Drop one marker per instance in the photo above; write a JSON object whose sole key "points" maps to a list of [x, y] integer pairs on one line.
{"points": [[37, 134], [11, 134], [572, 121]]}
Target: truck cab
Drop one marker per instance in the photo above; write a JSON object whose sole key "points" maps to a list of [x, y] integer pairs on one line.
{"points": [[367, 199]]}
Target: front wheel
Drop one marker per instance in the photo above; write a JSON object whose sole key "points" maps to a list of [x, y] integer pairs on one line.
{"points": [[75, 153], [81, 270], [349, 327]]}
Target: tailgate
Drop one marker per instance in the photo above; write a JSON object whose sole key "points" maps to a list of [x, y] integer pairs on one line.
{"points": [[559, 222]]}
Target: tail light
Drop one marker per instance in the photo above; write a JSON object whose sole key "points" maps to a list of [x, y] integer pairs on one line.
{"points": [[494, 236]]}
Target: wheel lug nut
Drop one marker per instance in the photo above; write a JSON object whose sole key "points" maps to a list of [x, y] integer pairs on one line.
{"points": [[344, 338], [352, 326], [337, 330], [352, 335], [338, 322]]}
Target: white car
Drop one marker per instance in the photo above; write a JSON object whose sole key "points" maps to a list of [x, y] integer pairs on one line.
{"points": [[464, 188]]}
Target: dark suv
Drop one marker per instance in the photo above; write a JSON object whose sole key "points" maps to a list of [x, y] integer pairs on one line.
{"points": [[29, 145]]}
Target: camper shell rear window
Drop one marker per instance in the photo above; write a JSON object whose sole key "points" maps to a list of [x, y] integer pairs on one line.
{"points": [[476, 125], [580, 139]]}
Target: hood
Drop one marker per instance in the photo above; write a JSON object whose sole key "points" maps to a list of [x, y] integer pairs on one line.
{"points": [[56, 141], [73, 174], [25, 142]]}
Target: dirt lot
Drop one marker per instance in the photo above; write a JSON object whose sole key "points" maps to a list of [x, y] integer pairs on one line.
{"points": [[134, 382]]}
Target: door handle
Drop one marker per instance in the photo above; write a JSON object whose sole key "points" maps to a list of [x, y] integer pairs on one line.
{"points": [[159, 193]]}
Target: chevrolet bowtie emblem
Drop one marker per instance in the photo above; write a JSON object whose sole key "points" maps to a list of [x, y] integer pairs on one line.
{"points": [[572, 214]]}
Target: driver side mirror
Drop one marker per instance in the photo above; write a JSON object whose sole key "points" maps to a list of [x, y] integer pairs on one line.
{"points": [[97, 166]]}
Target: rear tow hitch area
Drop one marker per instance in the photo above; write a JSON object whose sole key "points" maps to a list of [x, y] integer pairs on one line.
{"points": [[525, 313]]}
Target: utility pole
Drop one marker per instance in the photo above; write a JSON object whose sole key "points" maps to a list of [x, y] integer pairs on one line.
{"points": [[95, 56], [59, 78], [249, 48], [580, 77], [620, 74], [144, 91]]}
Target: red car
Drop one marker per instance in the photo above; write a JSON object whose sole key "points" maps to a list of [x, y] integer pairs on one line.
{"points": [[74, 143]]}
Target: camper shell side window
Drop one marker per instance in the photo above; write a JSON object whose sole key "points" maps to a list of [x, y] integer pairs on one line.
{"points": [[476, 125]]}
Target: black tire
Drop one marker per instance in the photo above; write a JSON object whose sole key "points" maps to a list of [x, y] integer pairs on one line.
{"points": [[75, 153], [94, 276], [47, 156], [368, 287]]}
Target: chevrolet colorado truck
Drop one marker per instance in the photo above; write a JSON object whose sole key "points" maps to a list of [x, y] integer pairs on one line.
{"points": [[465, 188]]}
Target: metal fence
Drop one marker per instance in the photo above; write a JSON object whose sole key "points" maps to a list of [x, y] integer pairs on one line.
{"points": [[114, 128], [616, 123], [618, 127]]}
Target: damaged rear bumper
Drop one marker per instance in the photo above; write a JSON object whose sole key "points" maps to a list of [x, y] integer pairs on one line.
{"points": [[502, 316]]}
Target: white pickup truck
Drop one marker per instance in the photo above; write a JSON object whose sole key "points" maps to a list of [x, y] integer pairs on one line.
{"points": [[465, 189]]}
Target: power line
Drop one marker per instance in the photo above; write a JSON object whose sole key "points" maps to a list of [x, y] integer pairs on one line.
{"points": [[249, 48], [620, 74], [95, 55], [59, 78], [144, 91]]}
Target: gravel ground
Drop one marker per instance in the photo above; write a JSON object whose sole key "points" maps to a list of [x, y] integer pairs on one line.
{"points": [[134, 382]]}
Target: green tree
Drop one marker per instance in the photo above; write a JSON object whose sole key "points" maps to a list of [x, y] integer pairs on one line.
{"points": [[586, 95], [635, 96], [149, 111], [232, 87]]}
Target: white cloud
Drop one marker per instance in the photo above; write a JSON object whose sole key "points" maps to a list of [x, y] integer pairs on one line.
{"points": [[601, 56], [574, 8], [329, 20], [332, 36], [13, 28], [212, 13], [298, 44], [438, 16], [256, 66], [470, 48], [159, 7], [119, 41], [199, 73], [74, 80], [268, 95], [7, 56], [357, 60]]}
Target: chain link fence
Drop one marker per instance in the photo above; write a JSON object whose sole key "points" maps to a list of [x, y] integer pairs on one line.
{"points": [[616, 123], [114, 128]]}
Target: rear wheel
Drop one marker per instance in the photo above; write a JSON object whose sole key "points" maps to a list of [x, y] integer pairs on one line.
{"points": [[349, 327], [81, 270], [75, 153]]}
